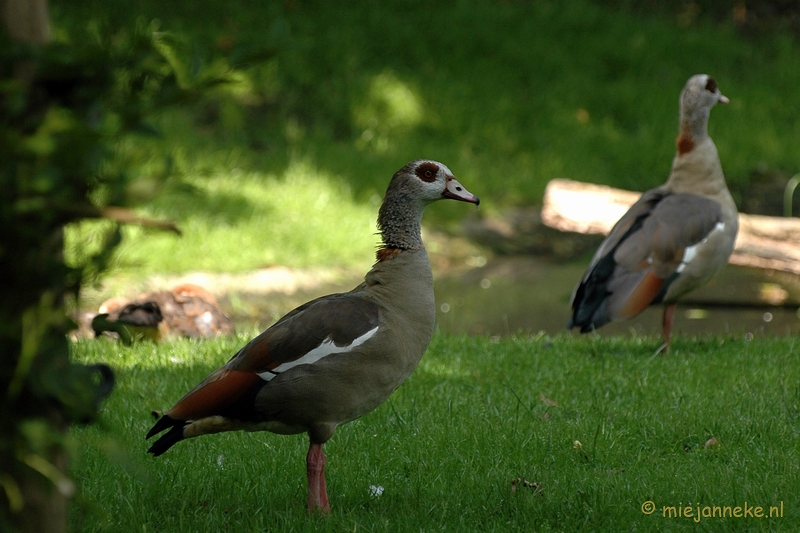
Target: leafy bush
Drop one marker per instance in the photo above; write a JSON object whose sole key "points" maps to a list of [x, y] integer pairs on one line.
{"points": [[63, 108]]}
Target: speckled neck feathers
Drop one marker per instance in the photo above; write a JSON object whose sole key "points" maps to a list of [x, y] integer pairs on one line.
{"points": [[400, 220]]}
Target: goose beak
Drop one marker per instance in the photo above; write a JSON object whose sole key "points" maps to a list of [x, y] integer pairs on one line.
{"points": [[723, 99], [455, 191]]}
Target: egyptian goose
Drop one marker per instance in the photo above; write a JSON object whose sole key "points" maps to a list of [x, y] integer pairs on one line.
{"points": [[335, 358], [674, 238], [186, 310]]}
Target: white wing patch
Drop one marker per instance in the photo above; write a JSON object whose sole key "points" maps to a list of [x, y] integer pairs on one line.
{"points": [[327, 347], [691, 251]]}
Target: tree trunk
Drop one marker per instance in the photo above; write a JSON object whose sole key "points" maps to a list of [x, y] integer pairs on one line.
{"points": [[27, 21]]}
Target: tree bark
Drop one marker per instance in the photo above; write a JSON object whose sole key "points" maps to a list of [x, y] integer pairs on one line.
{"points": [[27, 21], [762, 242]]}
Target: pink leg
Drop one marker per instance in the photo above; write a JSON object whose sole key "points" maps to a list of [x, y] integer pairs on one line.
{"points": [[666, 326], [315, 468]]}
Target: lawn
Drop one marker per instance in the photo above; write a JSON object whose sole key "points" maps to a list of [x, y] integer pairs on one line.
{"points": [[522, 434]]}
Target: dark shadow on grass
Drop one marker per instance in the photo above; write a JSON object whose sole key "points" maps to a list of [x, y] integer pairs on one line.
{"points": [[224, 208]]}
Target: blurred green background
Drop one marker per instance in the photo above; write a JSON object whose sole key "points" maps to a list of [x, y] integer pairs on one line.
{"points": [[286, 163]]}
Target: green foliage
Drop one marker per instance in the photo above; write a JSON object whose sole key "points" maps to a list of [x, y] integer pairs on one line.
{"points": [[595, 426], [63, 107], [508, 94]]}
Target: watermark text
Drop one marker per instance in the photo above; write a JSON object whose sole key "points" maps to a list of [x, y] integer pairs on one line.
{"points": [[699, 511]]}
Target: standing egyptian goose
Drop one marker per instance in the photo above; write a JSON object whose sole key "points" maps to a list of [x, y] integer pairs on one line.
{"points": [[674, 238], [335, 358]]}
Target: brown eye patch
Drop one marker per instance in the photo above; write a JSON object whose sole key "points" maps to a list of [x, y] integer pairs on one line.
{"points": [[427, 172], [711, 85]]}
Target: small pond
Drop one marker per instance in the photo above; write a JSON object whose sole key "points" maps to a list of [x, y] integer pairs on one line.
{"points": [[527, 295]]}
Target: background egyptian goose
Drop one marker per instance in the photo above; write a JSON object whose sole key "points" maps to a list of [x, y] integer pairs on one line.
{"points": [[186, 310], [335, 358], [674, 238]]}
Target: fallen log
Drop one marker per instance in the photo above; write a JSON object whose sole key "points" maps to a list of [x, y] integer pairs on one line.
{"points": [[762, 242]]}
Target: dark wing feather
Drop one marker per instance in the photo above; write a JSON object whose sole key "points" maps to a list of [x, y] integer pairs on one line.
{"points": [[168, 439], [640, 257], [589, 297]]}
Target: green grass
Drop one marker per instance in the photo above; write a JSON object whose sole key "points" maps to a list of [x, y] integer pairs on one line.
{"points": [[508, 94], [243, 221], [446, 447]]}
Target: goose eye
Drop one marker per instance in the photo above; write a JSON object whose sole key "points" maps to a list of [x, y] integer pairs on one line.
{"points": [[427, 172], [711, 85]]}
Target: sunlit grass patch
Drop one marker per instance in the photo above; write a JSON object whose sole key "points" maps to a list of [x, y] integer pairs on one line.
{"points": [[234, 221]]}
